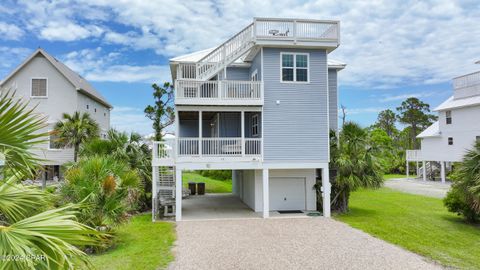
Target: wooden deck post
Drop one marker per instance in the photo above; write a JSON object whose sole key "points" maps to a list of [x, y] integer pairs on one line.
{"points": [[408, 170]]}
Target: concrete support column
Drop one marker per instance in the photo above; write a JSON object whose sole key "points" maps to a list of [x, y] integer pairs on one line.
{"points": [[326, 190], [442, 171], [408, 170], [178, 194], [424, 170], [416, 168], [266, 196]]}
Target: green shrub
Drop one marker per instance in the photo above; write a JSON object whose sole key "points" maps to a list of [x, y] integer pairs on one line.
{"points": [[456, 202], [464, 195], [217, 174]]}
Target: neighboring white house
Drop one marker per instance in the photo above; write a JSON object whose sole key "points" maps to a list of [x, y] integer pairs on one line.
{"points": [[55, 89], [261, 104], [455, 132]]}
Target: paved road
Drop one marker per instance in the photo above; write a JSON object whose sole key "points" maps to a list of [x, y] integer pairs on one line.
{"points": [[420, 187], [286, 243]]}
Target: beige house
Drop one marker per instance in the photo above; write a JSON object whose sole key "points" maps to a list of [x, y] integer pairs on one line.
{"points": [[55, 89]]}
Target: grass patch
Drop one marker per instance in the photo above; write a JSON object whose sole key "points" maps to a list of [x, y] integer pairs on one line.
{"points": [[417, 223], [211, 185], [141, 244]]}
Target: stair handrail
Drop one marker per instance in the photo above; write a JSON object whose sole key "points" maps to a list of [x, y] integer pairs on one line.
{"points": [[220, 49]]}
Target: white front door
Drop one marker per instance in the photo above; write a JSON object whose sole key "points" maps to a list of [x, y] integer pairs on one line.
{"points": [[287, 193]]}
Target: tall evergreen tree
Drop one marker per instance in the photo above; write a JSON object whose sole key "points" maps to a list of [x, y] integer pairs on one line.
{"points": [[386, 121], [416, 115]]}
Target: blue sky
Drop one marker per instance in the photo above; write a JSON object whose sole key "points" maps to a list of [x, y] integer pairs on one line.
{"points": [[393, 49]]}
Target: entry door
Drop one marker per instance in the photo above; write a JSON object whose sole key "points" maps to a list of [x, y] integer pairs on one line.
{"points": [[287, 193]]}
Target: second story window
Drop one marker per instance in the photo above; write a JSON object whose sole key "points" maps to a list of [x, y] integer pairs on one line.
{"points": [[88, 107], [448, 117], [294, 67], [255, 125], [54, 142], [450, 140], [39, 87]]}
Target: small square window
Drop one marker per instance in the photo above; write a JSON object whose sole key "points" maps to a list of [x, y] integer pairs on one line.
{"points": [[450, 140], [95, 109], [39, 87], [88, 107]]}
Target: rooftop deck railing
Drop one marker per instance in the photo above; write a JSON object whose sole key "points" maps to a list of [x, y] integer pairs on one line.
{"points": [[469, 80]]}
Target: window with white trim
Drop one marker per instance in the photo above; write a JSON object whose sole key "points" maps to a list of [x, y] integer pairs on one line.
{"points": [[448, 117], [255, 125], [39, 87], [54, 142], [294, 67]]}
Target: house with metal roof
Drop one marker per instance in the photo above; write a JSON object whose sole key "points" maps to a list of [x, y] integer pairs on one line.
{"points": [[52, 89], [458, 127], [261, 104]]}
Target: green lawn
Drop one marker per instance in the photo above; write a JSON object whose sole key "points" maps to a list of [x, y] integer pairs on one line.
{"points": [[211, 185], [417, 223], [141, 244]]}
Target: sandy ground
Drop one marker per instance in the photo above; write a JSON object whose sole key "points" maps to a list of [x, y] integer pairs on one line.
{"points": [[286, 243], [420, 187]]}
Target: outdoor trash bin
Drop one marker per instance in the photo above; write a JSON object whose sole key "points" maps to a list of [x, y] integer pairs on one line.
{"points": [[192, 186], [201, 188]]}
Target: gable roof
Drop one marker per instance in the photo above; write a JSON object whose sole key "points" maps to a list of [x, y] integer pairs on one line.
{"points": [[76, 80], [431, 131], [453, 103]]}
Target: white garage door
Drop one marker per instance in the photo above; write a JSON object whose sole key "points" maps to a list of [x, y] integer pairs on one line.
{"points": [[287, 193]]}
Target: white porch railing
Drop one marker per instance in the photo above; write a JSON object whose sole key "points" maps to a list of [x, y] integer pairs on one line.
{"points": [[467, 85], [414, 155], [292, 29], [207, 147], [188, 91]]}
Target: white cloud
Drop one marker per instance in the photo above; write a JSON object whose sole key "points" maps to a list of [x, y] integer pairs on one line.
{"points": [[10, 31], [369, 110], [385, 43], [388, 98], [96, 65], [130, 119], [10, 57], [55, 31]]}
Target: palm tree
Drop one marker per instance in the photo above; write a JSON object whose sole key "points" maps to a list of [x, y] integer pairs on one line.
{"points": [[356, 164], [42, 238], [19, 133], [128, 148], [75, 129]]}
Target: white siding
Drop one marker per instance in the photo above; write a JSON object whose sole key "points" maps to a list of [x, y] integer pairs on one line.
{"points": [[101, 115], [462, 130]]}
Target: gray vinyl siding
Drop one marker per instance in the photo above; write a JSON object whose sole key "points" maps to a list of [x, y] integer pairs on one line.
{"points": [[297, 128], [333, 98], [238, 74], [256, 65]]}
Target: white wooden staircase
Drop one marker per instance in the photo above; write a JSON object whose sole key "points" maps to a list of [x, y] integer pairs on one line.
{"points": [[225, 54]]}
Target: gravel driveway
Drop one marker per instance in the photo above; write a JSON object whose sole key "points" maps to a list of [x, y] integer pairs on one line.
{"points": [[286, 243], [419, 187]]}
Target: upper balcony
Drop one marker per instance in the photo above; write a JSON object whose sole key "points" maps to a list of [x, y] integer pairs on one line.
{"points": [[467, 85], [298, 32], [196, 92]]}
